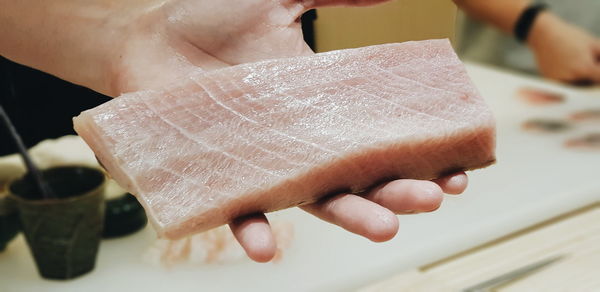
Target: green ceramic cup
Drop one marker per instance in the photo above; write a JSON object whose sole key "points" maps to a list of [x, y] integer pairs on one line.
{"points": [[63, 233]]}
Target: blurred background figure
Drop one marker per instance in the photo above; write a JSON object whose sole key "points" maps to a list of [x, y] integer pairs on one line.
{"points": [[563, 40]]}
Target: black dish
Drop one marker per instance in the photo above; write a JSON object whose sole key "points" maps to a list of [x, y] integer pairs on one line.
{"points": [[123, 216]]}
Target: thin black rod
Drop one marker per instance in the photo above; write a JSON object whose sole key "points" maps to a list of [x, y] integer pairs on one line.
{"points": [[31, 167]]}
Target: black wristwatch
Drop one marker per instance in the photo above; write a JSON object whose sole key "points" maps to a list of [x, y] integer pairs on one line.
{"points": [[525, 21]]}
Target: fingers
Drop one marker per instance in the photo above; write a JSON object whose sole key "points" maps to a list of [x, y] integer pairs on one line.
{"points": [[596, 65], [357, 215], [595, 70], [254, 235], [310, 4], [453, 184], [595, 74], [407, 196], [588, 76], [597, 50], [372, 216], [588, 73]]}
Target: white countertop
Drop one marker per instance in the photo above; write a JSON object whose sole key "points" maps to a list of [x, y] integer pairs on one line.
{"points": [[535, 178]]}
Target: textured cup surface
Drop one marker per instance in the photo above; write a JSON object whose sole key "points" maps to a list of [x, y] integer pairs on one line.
{"points": [[63, 233]]}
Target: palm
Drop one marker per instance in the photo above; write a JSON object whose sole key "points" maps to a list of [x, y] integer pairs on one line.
{"points": [[252, 29], [190, 35]]}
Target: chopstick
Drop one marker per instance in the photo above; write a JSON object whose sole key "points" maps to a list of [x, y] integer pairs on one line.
{"points": [[513, 275]]}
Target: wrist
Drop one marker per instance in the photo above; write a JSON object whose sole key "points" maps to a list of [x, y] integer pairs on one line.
{"points": [[542, 28], [131, 46], [108, 46], [101, 45]]}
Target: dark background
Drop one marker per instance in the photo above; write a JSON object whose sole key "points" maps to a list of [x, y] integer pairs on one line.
{"points": [[42, 106]]}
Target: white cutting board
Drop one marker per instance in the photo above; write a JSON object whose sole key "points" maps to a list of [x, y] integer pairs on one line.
{"points": [[535, 179]]}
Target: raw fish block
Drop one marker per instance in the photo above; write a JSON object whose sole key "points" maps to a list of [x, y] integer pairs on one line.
{"points": [[275, 134]]}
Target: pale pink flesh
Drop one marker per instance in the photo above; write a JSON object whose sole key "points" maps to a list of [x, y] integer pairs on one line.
{"points": [[275, 134]]}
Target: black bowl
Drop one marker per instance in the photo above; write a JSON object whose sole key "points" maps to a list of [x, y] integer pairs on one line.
{"points": [[123, 216]]}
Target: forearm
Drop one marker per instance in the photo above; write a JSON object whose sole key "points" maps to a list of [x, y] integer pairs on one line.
{"points": [[74, 40], [562, 51], [502, 14]]}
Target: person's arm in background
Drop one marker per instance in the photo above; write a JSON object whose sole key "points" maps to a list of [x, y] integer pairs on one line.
{"points": [[115, 46], [563, 51]]}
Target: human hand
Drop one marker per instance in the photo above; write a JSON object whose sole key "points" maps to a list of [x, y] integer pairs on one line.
{"points": [[563, 51], [173, 38], [371, 215], [184, 35], [165, 40], [115, 46]]}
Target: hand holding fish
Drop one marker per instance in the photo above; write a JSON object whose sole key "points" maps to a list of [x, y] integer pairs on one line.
{"points": [[122, 46], [251, 31]]}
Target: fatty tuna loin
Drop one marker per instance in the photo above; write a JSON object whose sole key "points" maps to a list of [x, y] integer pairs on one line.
{"points": [[275, 134]]}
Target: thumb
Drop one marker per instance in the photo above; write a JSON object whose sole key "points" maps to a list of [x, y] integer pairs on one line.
{"points": [[310, 4], [298, 7]]}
